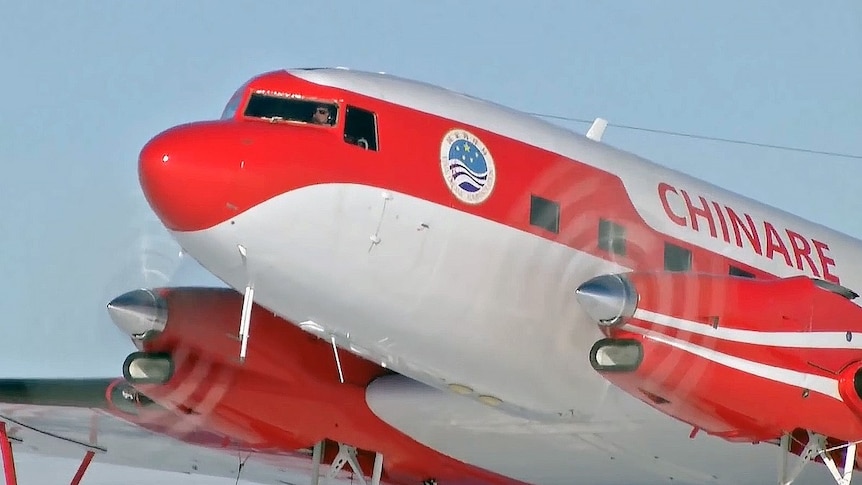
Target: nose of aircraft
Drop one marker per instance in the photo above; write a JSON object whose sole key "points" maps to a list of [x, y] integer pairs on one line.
{"points": [[183, 176]]}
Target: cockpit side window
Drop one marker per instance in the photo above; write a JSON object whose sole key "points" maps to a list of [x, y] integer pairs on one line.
{"points": [[360, 128], [233, 104], [280, 108]]}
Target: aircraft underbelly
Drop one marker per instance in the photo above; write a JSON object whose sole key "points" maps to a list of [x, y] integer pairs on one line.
{"points": [[625, 443]]}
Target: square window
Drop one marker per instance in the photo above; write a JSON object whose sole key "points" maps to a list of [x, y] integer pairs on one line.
{"points": [[545, 213], [676, 258], [612, 237]]}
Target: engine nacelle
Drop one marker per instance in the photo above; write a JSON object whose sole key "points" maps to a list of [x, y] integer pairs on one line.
{"points": [[737, 357], [850, 387], [288, 393]]}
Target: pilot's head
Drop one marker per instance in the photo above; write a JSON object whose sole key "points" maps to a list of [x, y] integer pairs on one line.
{"points": [[321, 115]]}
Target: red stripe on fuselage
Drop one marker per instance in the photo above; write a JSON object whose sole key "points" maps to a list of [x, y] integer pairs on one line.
{"points": [[225, 168]]}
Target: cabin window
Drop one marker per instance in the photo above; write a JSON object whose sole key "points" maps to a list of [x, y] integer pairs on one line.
{"points": [[736, 271], [676, 258], [545, 213], [360, 128], [612, 237], [280, 108]]}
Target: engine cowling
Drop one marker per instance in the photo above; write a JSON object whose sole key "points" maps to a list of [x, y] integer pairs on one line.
{"points": [[741, 358], [850, 386]]}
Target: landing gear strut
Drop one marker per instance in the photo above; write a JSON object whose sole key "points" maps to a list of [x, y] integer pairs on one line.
{"points": [[8, 459], [11, 474], [346, 456], [816, 446]]}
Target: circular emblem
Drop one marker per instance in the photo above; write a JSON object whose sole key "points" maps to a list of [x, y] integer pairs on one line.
{"points": [[467, 165]]}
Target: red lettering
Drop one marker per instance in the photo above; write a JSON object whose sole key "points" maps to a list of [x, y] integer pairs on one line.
{"points": [[750, 231], [801, 249], [774, 244], [825, 261], [702, 211], [663, 189], [721, 221]]}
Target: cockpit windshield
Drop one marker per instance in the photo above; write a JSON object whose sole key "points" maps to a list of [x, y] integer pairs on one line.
{"points": [[233, 104], [281, 108]]}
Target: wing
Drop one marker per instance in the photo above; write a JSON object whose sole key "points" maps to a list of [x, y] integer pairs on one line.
{"points": [[69, 417]]}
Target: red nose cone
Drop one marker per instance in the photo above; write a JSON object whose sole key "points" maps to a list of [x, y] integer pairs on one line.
{"points": [[185, 176]]}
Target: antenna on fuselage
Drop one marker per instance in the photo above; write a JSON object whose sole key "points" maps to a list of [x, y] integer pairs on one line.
{"points": [[597, 129]]}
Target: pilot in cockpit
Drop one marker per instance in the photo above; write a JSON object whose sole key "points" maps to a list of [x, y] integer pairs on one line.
{"points": [[321, 115]]}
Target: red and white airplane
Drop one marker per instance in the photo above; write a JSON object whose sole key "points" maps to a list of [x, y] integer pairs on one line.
{"points": [[431, 288]]}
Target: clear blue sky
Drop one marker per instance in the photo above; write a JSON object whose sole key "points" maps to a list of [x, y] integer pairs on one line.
{"points": [[85, 84]]}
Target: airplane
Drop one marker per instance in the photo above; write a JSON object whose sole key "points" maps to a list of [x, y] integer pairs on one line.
{"points": [[426, 287]]}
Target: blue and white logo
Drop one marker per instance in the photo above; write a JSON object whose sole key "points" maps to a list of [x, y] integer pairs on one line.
{"points": [[468, 167]]}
